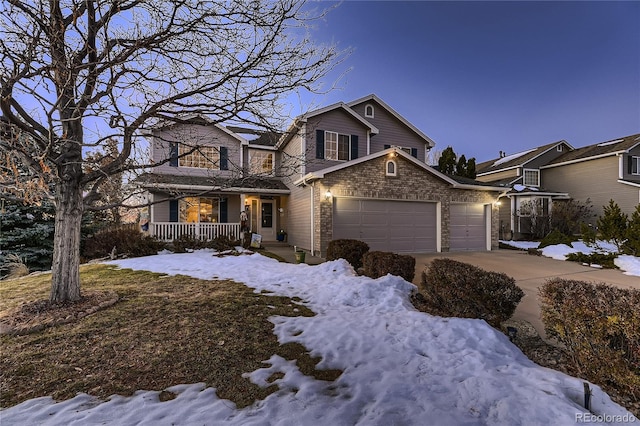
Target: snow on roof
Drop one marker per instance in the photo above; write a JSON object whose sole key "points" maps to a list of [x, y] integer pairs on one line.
{"points": [[610, 142], [397, 363], [511, 157]]}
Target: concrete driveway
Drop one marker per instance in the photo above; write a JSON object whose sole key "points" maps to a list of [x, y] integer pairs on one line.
{"points": [[530, 272]]}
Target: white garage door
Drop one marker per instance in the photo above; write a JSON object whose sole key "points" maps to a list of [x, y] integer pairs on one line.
{"points": [[468, 227], [396, 226]]}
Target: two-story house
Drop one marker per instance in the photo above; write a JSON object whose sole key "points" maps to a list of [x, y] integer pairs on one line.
{"points": [[349, 170], [557, 171]]}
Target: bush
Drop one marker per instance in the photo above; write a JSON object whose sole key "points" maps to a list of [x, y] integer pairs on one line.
{"points": [[567, 216], [377, 264], [555, 237], [457, 289], [600, 327], [186, 243], [613, 224], [632, 244], [126, 241], [350, 250], [603, 259]]}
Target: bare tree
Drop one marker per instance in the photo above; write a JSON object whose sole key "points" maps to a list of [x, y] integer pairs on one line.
{"points": [[77, 73]]}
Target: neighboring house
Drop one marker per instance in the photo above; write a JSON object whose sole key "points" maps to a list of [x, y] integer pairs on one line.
{"points": [[599, 172], [524, 194], [350, 170], [557, 171]]}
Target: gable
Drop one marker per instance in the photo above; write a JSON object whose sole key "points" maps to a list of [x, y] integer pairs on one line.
{"points": [[531, 158]]}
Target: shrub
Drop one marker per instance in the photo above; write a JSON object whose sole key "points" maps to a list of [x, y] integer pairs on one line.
{"points": [[613, 224], [567, 216], [15, 267], [457, 289], [603, 259], [632, 244], [379, 263], [600, 327], [350, 250], [126, 241], [185, 243], [555, 237]]}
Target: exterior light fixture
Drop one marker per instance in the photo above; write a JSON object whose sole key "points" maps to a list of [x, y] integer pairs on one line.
{"points": [[327, 195]]}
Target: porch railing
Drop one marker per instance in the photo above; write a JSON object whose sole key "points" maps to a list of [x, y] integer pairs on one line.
{"points": [[167, 231]]}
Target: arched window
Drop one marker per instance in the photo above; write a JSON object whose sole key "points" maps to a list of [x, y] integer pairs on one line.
{"points": [[391, 168], [368, 111]]}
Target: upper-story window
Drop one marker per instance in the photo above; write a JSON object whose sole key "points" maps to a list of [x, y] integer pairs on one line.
{"points": [[337, 146], [368, 111], [260, 162], [635, 165], [531, 177], [559, 148], [204, 157]]}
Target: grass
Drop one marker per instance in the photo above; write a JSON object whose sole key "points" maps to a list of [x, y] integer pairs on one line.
{"points": [[163, 331]]}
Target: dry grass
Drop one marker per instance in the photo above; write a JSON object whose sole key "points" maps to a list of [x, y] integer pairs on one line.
{"points": [[162, 331]]}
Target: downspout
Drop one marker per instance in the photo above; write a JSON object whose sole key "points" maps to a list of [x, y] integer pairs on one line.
{"points": [[313, 228]]}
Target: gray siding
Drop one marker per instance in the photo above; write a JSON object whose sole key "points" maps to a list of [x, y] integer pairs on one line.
{"points": [[625, 165], [333, 121], [596, 180], [192, 135], [298, 217], [492, 177], [292, 158], [546, 157], [392, 130], [160, 211]]}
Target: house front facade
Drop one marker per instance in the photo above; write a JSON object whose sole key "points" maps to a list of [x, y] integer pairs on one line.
{"points": [[349, 170]]}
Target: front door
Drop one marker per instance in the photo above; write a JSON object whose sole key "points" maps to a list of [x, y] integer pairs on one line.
{"points": [[267, 227]]}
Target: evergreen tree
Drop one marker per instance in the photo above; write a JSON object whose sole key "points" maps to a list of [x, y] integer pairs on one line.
{"points": [[27, 231], [632, 244], [447, 161], [613, 224], [461, 167], [471, 168]]}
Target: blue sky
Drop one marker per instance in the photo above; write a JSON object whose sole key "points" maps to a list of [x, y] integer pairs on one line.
{"points": [[490, 76]]}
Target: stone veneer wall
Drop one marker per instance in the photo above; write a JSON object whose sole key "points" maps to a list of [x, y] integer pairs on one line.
{"points": [[368, 180]]}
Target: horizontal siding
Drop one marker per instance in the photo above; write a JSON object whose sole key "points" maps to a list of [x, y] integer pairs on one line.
{"points": [[192, 135], [625, 165], [392, 130], [498, 176], [546, 158], [160, 211], [333, 121], [596, 180], [298, 217], [292, 158]]}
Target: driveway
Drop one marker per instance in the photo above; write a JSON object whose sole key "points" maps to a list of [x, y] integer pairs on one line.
{"points": [[530, 272]]}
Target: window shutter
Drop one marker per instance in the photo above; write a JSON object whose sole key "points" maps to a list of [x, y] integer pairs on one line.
{"points": [[173, 210], [173, 154], [354, 147], [224, 158], [414, 152], [224, 216], [320, 144], [630, 164], [387, 146]]}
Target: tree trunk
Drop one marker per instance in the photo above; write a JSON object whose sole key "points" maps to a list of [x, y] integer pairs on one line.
{"points": [[65, 280]]}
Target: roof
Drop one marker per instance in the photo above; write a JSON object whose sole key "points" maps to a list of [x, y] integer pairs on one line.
{"points": [[598, 150], [256, 136], [516, 160], [463, 183], [211, 183]]}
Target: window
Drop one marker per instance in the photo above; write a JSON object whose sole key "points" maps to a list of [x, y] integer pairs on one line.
{"points": [[196, 209], [635, 165], [391, 168], [205, 157], [531, 177], [337, 146], [559, 148], [260, 162], [368, 111]]}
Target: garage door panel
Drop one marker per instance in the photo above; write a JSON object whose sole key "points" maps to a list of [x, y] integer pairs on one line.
{"points": [[398, 226], [467, 227]]}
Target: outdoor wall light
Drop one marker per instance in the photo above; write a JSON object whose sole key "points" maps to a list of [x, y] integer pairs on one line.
{"points": [[327, 195]]}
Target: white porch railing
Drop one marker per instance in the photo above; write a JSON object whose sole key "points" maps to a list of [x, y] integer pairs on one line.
{"points": [[168, 231]]}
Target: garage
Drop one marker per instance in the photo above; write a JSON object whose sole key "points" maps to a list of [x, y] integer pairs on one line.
{"points": [[468, 227], [387, 225]]}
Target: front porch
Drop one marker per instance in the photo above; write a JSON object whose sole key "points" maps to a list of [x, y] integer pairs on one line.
{"points": [[168, 231]]}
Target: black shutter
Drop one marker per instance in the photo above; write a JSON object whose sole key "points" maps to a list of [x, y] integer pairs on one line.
{"points": [[354, 147], [173, 154], [224, 158], [414, 152], [320, 144], [173, 210], [387, 146], [224, 214], [630, 164]]}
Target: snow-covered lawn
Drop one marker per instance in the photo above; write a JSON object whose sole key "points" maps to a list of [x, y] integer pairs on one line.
{"points": [[400, 366], [630, 265]]}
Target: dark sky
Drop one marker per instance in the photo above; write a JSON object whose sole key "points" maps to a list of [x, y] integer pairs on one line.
{"points": [[490, 76]]}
